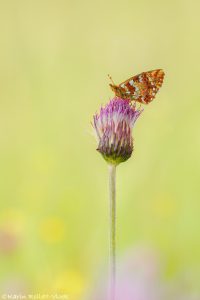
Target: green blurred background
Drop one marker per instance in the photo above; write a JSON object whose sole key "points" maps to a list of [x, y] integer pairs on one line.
{"points": [[54, 61]]}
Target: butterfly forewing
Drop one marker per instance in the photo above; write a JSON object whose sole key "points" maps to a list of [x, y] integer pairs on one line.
{"points": [[142, 87]]}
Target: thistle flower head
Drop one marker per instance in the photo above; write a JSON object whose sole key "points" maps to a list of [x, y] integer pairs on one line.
{"points": [[113, 127]]}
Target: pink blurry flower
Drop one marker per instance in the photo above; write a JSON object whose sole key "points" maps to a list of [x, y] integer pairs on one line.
{"points": [[138, 278], [8, 241], [14, 285]]}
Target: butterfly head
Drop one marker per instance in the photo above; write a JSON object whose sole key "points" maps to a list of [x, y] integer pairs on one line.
{"points": [[116, 90], [113, 87]]}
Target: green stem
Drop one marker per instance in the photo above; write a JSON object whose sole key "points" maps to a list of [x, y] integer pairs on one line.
{"points": [[112, 198]]}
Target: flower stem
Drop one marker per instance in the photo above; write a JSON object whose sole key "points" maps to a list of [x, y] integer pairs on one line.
{"points": [[112, 198]]}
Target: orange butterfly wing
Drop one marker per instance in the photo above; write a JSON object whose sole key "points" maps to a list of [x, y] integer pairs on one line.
{"points": [[143, 87]]}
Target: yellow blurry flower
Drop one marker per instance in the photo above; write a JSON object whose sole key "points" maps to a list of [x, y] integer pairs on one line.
{"points": [[52, 230], [71, 283]]}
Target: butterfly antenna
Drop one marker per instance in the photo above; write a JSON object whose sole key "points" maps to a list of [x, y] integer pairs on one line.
{"points": [[111, 79]]}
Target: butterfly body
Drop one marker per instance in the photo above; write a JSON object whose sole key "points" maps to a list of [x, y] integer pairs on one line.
{"points": [[141, 88]]}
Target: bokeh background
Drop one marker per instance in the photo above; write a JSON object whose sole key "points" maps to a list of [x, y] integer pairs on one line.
{"points": [[54, 61]]}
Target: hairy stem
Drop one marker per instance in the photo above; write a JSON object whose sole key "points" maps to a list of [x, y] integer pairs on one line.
{"points": [[112, 198]]}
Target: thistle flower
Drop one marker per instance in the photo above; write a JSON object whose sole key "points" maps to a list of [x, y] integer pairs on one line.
{"points": [[113, 127]]}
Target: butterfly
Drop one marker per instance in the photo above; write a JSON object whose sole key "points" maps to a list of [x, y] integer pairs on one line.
{"points": [[141, 88]]}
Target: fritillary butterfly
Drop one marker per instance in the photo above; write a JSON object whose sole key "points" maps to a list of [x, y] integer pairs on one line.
{"points": [[141, 88]]}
